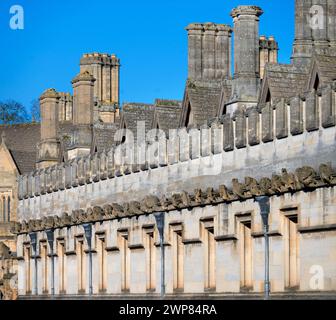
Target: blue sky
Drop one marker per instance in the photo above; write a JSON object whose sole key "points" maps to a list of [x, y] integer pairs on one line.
{"points": [[148, 36]]}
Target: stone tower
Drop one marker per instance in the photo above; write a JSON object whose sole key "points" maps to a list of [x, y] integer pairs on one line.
{"points": [[49, 147], [246, 56]]}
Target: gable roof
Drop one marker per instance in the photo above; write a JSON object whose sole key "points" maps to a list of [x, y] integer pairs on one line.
{"points": [[132, 113], [21, 141], [226, 93], [167, 114], [104, 135], [203, 98], [283, 81], [323, 66]]}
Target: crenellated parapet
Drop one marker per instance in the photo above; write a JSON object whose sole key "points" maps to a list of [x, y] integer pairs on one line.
{"points": [[228, 137]]}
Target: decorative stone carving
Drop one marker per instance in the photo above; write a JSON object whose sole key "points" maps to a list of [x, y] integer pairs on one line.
{"points": [[65, 219], [151, 204], [308, 177], [118, 210], [240, 189], [15, 227], [47, 223], [327, 174], [252, 186], [305, 177]]}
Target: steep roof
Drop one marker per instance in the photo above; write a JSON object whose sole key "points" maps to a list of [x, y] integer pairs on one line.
{"points": [[21, 141], [225, 96], [132, 113], [323, 66], [283, 81], [167, 114], [104, 135], [203, 100]]}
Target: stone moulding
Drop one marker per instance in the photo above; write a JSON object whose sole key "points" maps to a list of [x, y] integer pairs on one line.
{"points": [[303, 179], [258, 125]]}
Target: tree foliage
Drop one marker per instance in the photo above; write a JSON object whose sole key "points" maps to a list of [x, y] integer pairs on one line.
{"points": [[12, 112], [35, 110]]}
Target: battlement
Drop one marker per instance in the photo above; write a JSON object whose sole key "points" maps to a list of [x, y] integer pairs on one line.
{"points": [[291, 133], [100, 58]]}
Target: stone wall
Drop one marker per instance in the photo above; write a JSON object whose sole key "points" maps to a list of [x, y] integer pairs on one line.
{"points": [[315, 239], [287, 134]]}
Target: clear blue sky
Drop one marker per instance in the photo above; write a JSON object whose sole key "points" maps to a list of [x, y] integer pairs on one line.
{"points": [[148, 36]]}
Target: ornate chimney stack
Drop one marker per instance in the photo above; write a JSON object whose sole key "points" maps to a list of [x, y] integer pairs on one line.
{"points": [[303, 44], [268, 52], [195, 35], [115, 79], [246, 54], [105, 69], [319, 12], [209, 51], [83, 86], [49, 147], [83, 105], [332, 25]]}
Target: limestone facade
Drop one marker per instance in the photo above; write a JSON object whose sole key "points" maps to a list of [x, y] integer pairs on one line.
{"points": [[90, 205]]}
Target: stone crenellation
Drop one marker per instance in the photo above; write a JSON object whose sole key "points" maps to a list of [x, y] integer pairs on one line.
{"points": [[271, 122]]}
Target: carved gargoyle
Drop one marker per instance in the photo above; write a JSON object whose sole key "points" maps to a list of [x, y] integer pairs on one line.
{"points": [[177, 201], [78, 216], [150, 204], [225, 194], [240, 189], [97, 213], [15, 227], [135, 208], [66, 219], [199, 197], [118, 211], [24, 226], [265, 186], [57, 221], [166, 203], [108, 211], [290, 181], [186, 199], [252, 186], [47, 222], [308, 177], [34, 225], [212, 196], [277, 184], [327, 174]]}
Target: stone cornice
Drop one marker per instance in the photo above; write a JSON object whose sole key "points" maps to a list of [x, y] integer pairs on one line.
{"points": [[303, 179], [247, 10], [50, 94], [84, 76]]}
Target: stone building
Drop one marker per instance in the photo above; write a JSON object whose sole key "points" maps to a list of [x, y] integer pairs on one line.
{"points": [[86, 220]]}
